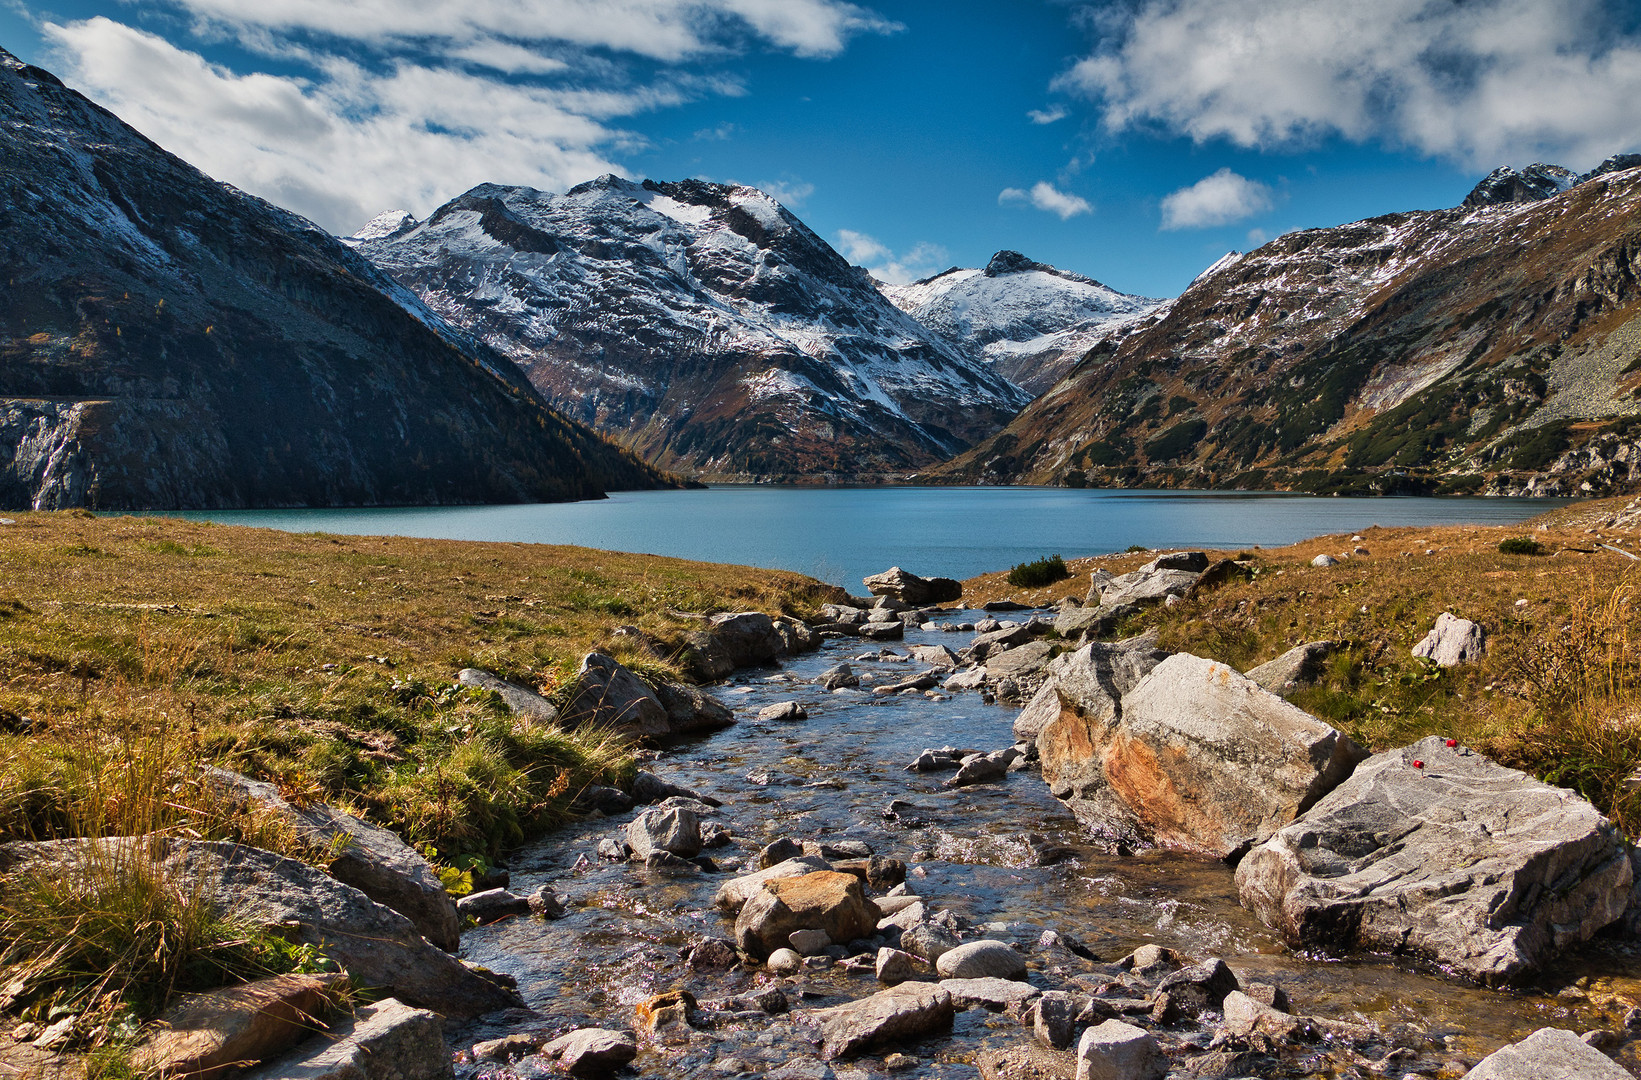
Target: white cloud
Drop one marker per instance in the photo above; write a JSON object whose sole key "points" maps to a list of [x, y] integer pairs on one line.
{"points": [[789, 193], [409, 104], [882, 263], [668, 30], [1218, 199], [1479, 82], [1045, 196], [341, 150], [1048, 116]]}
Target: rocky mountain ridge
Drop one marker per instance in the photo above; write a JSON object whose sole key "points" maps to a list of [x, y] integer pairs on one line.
{"points": [[703, 325], [168, 341], [1031, 322], [1491, 348]]}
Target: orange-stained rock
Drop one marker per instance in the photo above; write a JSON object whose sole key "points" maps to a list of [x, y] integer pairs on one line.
{"points": [[664, 1010], [824, 900], [1195, 756]]}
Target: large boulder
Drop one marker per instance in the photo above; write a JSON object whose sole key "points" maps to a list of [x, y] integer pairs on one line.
{"points": [[895, 1016], [375, 944], [1020, 662], [1548, 1054], [385, 1041], [674, 829], [1148, 585], [609, 695], [521, 701], [208, 1036], [691, 710], [749, 637], [1295, 669], [1452, 641], [1199, 758], [1456, 858], [908, 588], [823, 900], [1091, 681], [371, 859]]}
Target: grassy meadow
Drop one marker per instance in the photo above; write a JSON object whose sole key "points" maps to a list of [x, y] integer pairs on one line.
{"points": [[132, 649]]}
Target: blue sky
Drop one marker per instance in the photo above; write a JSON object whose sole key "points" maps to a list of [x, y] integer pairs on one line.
{"points": [[1133, 141]]}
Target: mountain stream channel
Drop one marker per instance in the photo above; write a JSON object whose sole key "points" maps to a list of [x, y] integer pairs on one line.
{"points": [[1007, 859]]}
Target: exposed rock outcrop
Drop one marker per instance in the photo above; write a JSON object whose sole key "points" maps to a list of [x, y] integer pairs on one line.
{"points": [[1199, 758], [1437, 851]]}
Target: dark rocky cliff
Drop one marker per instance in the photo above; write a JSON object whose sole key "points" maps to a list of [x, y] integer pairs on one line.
{"points": [[167, 341]]}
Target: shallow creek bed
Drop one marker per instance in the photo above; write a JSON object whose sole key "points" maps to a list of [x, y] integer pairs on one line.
{"points": [[976, 851]]}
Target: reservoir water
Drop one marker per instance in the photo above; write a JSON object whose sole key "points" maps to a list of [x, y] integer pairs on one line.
{"points": [[842, 534]]}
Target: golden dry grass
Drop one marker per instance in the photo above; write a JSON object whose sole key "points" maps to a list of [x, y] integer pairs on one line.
{"points": [[1557, 693]]}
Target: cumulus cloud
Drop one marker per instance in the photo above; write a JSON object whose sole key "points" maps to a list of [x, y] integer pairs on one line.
{"points": [[1045, 196], [408, 104], [884, 264], [1218, 199], [1478, 82]]}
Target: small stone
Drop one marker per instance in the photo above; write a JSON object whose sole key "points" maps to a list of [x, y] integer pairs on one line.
{"points": [[508, 1047], [1118, 1051], [896, 1062], [592, 1051], [1054, 1018], [895, 966], [785, 710], [671, 1009], [778, 852], [809, 942], [981, 960], [929, 941], [713, 954], [546, 904], [1324, 561], [784, 961]]}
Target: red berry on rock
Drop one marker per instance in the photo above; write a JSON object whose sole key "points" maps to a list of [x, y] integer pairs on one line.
{"points": [[1417, 764], [1452, 742]]}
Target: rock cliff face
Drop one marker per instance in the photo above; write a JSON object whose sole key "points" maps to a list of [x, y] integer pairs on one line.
{"points": [[703, 325], [1029, 321], [167, 341], [1492, 348]]}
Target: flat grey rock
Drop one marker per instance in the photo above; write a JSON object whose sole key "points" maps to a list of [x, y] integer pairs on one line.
{"points": [[385, 1041], [894, 1017], [1548, 1054], [1459, 859], [520, 700]]}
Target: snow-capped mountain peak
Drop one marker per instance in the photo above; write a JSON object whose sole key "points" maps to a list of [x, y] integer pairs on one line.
{"points": [[1030, 321], [704, 324]]}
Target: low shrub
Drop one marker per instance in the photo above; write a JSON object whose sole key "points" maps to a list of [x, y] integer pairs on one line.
{"points": [[1520, 545], [1033, 575]]}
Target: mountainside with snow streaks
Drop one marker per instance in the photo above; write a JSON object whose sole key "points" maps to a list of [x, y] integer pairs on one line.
{"points": [[1029, 321], [170, 342], [702, 325], [1495, 348]]}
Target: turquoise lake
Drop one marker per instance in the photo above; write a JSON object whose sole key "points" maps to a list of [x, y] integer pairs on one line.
{"points": [[842, 534]]}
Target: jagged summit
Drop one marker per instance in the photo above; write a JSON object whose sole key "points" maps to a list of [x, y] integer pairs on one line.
{"points": [[703, 324], [384, 224], [1030, 321], [1505, 186]]}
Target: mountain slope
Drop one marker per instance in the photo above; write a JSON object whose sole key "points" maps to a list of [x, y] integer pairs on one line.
{"points": [[1029, 321], [167, 341], [1494, 347], [701, 324]]}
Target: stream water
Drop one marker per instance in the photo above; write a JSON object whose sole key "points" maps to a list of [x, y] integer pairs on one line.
{"points": [[973, 850]]}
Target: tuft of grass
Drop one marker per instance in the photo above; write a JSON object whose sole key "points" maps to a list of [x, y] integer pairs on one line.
{"points": [[1039, 572], [1520, 545]]}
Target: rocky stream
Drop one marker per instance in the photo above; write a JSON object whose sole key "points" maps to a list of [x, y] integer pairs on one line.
{"points": [[1100, 937]]}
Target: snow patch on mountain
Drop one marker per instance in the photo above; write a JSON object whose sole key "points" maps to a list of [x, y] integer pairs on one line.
{"points": [[1029, 321]]}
